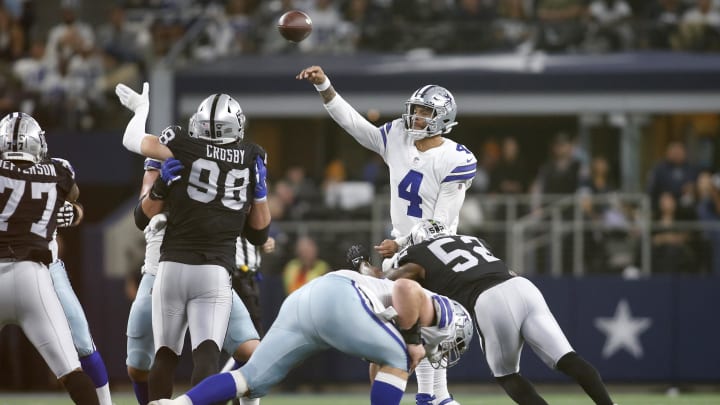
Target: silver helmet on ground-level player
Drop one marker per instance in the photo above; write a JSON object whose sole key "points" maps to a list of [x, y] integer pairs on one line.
{"points": [[427, 229], [219, 119], [21, 138], [444, 109], [453, 347]]}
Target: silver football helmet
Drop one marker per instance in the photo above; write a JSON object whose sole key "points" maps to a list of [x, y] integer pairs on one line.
{"points": [[192, 126], [427, 229], [452, 348], [219, 119], [443, 108], [21, 138]]}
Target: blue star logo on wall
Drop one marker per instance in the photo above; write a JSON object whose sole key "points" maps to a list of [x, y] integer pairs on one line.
{"points": [[622, 331]]}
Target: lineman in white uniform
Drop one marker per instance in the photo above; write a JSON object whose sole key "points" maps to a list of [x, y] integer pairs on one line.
{"points": [[429, 175], [374, 319]]}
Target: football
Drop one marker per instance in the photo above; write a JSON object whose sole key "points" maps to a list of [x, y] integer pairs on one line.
{"points": [[295, 25]]}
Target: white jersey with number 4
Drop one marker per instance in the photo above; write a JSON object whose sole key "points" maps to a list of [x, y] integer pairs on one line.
{"points": [[423, 185]]}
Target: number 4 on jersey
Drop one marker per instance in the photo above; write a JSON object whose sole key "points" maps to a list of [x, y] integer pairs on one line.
{"points": [[409, 189]]}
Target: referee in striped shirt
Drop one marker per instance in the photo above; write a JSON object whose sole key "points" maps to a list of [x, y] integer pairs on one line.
{"points": [[246, 277]]}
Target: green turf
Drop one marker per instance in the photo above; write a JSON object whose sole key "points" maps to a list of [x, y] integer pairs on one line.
{"points": [[359, 399]]}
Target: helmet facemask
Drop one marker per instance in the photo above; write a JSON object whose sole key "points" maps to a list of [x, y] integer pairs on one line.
{"points": [[439, 122], [21, 138], [427, 229], [219, 120], [451, 349]]}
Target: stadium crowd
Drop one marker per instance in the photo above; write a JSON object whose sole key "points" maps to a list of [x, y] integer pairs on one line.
{"points": [[63, 71]]}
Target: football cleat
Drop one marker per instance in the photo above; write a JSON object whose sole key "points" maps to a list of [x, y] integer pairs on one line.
{"points": [[424, 399]]}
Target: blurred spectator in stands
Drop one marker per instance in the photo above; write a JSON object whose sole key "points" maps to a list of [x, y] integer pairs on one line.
{"points": [[561, 173], [68, 38], [334, 173], [699, 28], [12, 37], [375, 172], [369, 24], [561, 24], [672, 246], [303, 188], [610, 243], [510, 176], [124, 49], [512, 25], [423, 24], [609, 29], [11, 91], [230, 30], [305, 266], [708, 211], [166, 30], [662, 21], [473, 21], [330, 33], [675, 175], [22, 12]]}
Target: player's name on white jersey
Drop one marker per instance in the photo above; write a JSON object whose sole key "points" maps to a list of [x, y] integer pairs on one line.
{"points": [[47, 169], [228, 155]]}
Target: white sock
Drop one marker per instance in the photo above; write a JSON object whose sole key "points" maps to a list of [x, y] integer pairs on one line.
{"points": [[440, 388], [103, 394], [247, 401], [241, 386], [182, 400], [425, 377]]}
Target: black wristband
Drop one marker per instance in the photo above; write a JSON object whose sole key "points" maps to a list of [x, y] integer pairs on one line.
{"points": [[159, 190], [411, 336]]}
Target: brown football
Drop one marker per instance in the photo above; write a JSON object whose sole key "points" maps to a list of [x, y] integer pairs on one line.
{"points": [[295, 25]]}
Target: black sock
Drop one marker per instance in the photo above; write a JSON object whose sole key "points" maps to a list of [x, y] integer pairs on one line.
{"points": [[520, 390], [81, 388], [162, 374], [205, 361], [586, 376]]}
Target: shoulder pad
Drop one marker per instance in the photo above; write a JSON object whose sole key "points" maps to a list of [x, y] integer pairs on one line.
{"points": [[170, 133], [66, 165]]}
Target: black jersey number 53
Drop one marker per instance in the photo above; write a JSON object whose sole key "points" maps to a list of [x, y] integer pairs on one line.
{"points": [[467, 251]]}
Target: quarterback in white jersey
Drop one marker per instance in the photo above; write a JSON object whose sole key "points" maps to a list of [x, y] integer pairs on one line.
{"points": [[429, 175]]}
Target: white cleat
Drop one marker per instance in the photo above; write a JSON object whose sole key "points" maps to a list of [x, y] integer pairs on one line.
{"points": [[162, 402]]}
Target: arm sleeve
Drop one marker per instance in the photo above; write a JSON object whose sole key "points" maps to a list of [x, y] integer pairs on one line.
{"points": [[255, 236], [367, 134], [141, 220], [135, 130]]}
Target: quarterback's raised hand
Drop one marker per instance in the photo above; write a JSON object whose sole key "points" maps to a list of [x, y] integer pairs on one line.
{"points": [[132, 100], [314, 74], [260, 179]]}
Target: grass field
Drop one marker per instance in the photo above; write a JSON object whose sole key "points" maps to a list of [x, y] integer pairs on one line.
{"points": [[361, 399]]}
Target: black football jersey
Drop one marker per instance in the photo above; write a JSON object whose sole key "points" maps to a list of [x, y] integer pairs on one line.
{"points": [[459, 267], [208, 205], [30, 197]]}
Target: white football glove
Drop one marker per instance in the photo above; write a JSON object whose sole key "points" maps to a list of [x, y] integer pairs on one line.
{"points": [[130, 99], [65, 215]]}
